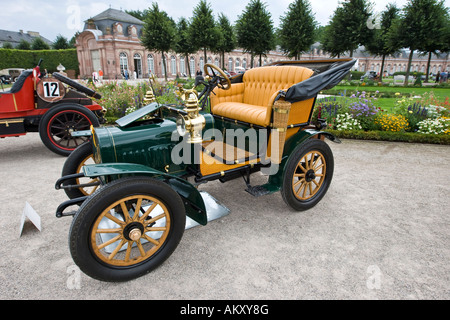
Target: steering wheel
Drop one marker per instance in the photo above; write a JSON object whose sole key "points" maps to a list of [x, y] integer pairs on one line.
{"points": [[224, 82]]}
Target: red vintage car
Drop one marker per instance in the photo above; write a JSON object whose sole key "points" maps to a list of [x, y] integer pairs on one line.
{"points": [[53, 105]]}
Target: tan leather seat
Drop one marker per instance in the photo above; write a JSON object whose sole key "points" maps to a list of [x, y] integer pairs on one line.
{"points": [[251, 101]]}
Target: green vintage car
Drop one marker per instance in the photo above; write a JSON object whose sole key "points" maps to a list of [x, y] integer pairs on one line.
{"points": [[139, 193]]}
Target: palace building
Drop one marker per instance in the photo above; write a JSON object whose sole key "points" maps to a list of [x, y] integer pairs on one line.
{"points": [[110, 42]]}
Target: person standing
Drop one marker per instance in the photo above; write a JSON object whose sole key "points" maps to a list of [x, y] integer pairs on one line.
{"points": [[100, 75]]}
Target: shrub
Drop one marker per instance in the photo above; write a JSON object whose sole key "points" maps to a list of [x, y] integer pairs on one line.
{"points": [[392, 122], [347, 122], [435, 126], [364, 109]]}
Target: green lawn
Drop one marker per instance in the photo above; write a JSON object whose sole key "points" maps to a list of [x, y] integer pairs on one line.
{"points": [[387, 97]]}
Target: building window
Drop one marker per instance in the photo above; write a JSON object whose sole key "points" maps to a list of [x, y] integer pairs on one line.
{"points": [[192, 66], [230, 65], [173, 65], [138, 65], [244, 63], [151, 64], [182, 67], [202, 64], [123, 62], [217, 62], [238, 63]]}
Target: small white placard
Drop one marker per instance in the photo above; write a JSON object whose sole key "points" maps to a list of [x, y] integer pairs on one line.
{"points": [[31, 214]]}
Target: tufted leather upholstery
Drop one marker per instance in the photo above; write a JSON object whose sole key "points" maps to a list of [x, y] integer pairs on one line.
{"points": [[251, 101]]}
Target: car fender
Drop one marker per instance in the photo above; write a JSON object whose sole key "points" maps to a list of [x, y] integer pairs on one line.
{"points": [[192, 200], [291, 145]]}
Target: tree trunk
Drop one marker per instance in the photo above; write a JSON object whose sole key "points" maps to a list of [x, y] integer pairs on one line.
{"points": [[251, 60], [188, 66], [223, 60], [383, 59], [260, 60], [408, 68], [428, 67], [204, 54], [164, 66]]}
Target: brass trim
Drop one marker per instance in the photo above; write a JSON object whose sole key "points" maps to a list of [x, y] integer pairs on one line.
{"points": [[15, 102]]}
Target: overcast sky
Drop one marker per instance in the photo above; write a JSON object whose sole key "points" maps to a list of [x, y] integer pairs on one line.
{"points": [[53, 17]]}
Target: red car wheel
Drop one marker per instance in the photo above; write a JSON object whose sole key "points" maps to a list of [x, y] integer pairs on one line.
{"points": [[58, 124]]}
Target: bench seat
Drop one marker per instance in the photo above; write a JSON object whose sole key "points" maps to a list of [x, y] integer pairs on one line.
{"points": [[251, 101]]}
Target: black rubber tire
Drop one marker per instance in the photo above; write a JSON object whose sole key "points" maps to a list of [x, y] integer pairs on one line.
{"points": [[77, 86], [287, 192], [80, 244], [52, 126], [72, 166]]}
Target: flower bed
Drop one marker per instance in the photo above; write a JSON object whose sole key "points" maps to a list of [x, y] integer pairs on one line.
{"points": [[361, 115], [411, 119]]}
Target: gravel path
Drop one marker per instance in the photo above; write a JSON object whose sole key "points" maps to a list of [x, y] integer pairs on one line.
{"points": [[381, 232]]}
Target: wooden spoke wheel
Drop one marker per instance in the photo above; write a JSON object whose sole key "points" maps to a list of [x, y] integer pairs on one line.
{"points": [[126, 229], [81, 156], [126, 233], [308, 175]]}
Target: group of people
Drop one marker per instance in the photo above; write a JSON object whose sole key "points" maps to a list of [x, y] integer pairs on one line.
{"points": [[97, 76], [442, 77]]}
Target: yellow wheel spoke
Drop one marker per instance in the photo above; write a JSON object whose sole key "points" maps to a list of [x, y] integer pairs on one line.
{"points": [[113, 254], [116, 220], [125, 211], [145, 215], [149, 239], [147, 222], [107, 243], [118, 230], [149, 229], [138, 208], [127, 254], [141, 248]]}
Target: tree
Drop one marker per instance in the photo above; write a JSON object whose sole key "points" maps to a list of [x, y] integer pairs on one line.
{"points": [[297, 29], [183, 43], [416, 27], [138, 14], [39, 44], [203, 31], [158, 33], [379, 44], [7, 45], [437, 17], [228, 38], [23, 45], [61, 43], [333, 40], [348, 27], [254, 30]]}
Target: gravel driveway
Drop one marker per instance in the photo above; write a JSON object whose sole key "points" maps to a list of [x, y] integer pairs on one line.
{"points": [[381, 232]]}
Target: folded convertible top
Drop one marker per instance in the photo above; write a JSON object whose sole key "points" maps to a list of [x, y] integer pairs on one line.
{"points": [[327, 74]]}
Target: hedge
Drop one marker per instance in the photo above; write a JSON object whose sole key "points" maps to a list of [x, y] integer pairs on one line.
{"points": [[392, 136], [28, 59]]}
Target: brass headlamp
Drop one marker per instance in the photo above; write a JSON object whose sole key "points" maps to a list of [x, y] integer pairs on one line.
{"points": [[192, 122]]}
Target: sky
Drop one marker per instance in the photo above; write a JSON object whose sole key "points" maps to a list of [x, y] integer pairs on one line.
{"points": [[53, 17]]}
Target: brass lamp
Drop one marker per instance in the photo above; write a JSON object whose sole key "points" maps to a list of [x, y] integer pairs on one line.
{"points": [[193, 122]]}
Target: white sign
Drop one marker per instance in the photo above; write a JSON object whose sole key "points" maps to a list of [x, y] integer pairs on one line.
{"points": [[28, 212]]}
